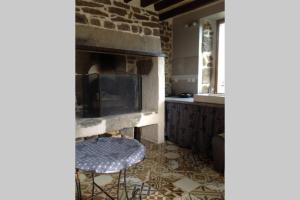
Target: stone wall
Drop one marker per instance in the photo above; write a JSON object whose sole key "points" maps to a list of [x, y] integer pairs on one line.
{"points": [[115, 15], [207, 55], [166, 36]]}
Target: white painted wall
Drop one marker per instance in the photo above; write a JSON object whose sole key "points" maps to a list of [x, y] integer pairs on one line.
{"points": [[156, 133]]}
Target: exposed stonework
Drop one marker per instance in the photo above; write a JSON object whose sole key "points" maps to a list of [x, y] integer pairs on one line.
{"points": [[166, 33], [117, 15], [207, 48]]}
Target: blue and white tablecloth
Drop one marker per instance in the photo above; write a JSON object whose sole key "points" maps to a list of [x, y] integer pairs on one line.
{"points": [[106, 155]]}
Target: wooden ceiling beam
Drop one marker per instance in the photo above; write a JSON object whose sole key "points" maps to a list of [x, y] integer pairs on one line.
{"points": [[165, 4], [145, 3], [184, 8]]}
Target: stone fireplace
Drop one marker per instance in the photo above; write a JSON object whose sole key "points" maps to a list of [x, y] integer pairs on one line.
{"points": [[105, 87], [103, 52]]}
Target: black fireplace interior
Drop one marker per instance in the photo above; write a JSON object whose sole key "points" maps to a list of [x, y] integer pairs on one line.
{"points": [[110, 91]]}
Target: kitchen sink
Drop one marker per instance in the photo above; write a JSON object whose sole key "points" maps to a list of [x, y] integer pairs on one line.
{"points": [[210, 98]]}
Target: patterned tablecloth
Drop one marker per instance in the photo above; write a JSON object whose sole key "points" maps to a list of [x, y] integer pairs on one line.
{"points": [[107, 155]]}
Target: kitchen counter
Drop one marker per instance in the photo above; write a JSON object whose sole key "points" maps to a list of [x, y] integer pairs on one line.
{"points": [[190, 100]]}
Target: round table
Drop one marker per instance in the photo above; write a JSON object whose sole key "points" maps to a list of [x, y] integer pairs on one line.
{"points": [[107, 155]]}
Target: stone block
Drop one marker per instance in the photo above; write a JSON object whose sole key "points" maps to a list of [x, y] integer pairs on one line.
{"points": [[103, 1], [95, 22], [156, 32], [94, 11], [164, 38], [80, 18], [136, 10], [124, 27], [150, 24], [121, 19], [140, 17], [154, 19], [135, 29], [122, 5], [152, 13], [118, 11], [109, 25], [88, 3], [147, 31]]}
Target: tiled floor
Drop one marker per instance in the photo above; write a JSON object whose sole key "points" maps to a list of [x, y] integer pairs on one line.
{"points": [[175, 173]]}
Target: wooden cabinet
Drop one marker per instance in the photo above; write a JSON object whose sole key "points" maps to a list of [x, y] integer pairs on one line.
{"points": [[194, 125]]}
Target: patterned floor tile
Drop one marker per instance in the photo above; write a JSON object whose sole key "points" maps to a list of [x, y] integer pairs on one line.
{"points": [[171, 155], [171, 148], [169, 172], [186, 184], [103, 179]]}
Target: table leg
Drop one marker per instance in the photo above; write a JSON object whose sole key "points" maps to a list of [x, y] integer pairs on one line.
{"points": [[125, 185], [93, 186], [120, 174]]}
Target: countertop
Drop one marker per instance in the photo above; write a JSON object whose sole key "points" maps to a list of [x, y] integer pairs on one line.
{"points": [[190, 100]]}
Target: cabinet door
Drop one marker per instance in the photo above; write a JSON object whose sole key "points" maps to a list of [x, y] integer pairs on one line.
{"points": [[187, 125], [181, 124], [205, 130], [219, 121], [172, 118]]}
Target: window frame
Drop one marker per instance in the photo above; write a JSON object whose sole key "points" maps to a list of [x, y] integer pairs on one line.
{"points": [[220, 21]]}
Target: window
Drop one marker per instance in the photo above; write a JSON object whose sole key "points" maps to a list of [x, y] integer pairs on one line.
{"points": [[220, 72]]}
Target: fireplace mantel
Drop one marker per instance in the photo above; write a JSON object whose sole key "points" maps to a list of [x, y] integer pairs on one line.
{"points": [[111, 41]]}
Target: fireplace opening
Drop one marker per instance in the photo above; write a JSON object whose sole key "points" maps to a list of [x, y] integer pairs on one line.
{"points": [[103, 87]]}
